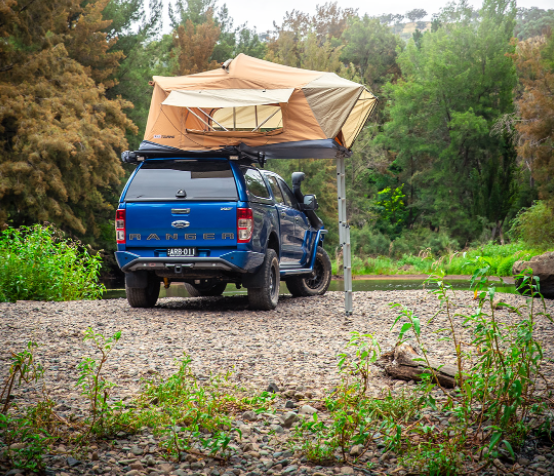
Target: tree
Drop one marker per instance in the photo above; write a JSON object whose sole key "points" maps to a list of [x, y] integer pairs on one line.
{"points": [[194, 45], [535, 63], [233, 41], [533, 22], [197, 11], [416, 14], [136, 30], [454, 90], [371, 47], [59, 134], [300, 36]]}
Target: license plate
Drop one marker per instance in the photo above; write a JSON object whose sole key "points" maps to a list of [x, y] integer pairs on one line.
{"points": [[181, 252]]}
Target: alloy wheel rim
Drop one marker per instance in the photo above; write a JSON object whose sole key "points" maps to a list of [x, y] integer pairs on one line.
{"points": [[316, 279]]}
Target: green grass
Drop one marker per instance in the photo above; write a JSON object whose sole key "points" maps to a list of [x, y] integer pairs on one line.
{"points": [[500, 258]]}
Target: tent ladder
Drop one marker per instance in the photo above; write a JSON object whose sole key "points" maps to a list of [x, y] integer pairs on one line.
{"points": [[344, 235]]}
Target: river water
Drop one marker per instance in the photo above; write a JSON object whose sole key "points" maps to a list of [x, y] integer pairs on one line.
{"points": [[178, 290]]}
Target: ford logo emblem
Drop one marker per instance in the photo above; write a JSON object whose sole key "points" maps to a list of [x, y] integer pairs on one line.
{"points": [[180, 224]]}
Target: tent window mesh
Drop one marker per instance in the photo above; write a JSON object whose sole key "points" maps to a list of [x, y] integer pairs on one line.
{"points": [[247, 118]]}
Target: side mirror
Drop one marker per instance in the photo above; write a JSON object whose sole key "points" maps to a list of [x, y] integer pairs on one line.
{"points": [[310, 202]]}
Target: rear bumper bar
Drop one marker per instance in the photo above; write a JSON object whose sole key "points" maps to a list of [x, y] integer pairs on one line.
{"points": [[236, 261]]}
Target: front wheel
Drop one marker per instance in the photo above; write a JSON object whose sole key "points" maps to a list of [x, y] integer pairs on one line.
{"points": [[314, 284], [266, 296], [144, 297], [205, 290]]}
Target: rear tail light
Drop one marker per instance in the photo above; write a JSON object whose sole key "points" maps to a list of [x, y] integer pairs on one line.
{"points": [[245, 225], [120, 226]]}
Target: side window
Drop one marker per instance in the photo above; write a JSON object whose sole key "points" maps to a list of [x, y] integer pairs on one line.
{"points": [[275, 189], [290, 199], [255, 185]]}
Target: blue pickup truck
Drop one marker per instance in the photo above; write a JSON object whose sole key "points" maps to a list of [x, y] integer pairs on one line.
{"points": [[208, 222]]}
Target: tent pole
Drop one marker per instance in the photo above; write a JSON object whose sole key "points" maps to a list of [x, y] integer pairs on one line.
{"points": [[344, 235]]}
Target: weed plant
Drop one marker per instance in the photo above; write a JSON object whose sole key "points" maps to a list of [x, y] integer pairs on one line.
{"points": [[490, 410], [36, 263], [24, 439]]}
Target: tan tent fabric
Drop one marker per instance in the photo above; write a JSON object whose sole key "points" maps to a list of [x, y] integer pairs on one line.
{"points": [[313, 106], [227, 97]]}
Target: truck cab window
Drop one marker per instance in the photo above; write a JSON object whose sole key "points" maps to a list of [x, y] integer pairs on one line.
{"points": [[255, 184], [275, 189], [290, 199]]}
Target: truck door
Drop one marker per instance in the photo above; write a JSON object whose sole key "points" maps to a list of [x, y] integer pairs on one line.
{"points": [[286, 221], [298, 236]]}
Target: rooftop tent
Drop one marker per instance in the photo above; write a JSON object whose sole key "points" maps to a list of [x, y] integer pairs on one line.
{"points": [[258, 107]]}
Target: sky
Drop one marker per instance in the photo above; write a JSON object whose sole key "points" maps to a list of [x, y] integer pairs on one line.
{"points": [[260, 14]]}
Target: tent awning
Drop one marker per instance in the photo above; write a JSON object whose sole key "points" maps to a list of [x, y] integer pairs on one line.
{"points": [[221, 98]]}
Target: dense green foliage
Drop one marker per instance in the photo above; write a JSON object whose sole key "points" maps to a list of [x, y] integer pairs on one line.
{"points": [[37, 264]]}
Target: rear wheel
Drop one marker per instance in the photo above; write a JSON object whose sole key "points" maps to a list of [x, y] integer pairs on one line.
{"points": [[200, 290], [144, 297], [314, 284], [266, 297]]}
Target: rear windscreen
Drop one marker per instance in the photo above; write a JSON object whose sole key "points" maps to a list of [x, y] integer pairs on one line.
{"points": [[183, 180]]}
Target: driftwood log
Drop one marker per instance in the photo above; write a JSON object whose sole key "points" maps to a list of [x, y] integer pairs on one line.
{"points": [[400, 363]]}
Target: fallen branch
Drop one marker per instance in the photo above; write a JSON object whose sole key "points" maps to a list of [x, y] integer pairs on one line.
{"points": [[404, 363]]}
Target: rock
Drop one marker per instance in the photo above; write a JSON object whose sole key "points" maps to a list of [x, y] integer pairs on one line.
{"points": [[272, 388], [543, 268], [214, 472], [166, 468], [290, 418], [319, 474], [249, 416], [133, 472], [137, 465], [72, 462], [250, 447], [307, 410], [277, 429], [356, 450], [17, 446], [180, 472], [137, 451], [150, 461], [347, 470], [287, 454], [290, 469], [523, 461]]}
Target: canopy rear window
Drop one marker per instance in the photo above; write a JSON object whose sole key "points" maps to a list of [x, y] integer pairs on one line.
{"points": [[183, 180]]}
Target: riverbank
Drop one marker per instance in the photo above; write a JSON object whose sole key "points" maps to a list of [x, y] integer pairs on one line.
{"points": [[296, 348]]}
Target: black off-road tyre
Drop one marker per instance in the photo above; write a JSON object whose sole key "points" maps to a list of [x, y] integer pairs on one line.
{"points": [[144, 297], [205, 290], [315, 284], [266, 297]]}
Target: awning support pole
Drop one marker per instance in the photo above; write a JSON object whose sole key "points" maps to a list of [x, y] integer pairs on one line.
{"points": [[344, 235]]}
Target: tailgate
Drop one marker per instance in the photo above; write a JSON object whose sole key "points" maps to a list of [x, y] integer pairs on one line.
{"points": [[175, 224]]}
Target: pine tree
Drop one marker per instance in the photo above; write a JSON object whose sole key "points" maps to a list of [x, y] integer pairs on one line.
{"points": [[59, 134]]}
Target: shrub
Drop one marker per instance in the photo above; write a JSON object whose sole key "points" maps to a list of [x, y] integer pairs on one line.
{"points": [[37, 264], [535, 225]]}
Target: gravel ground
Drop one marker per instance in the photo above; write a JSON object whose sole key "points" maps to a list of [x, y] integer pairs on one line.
{"points": [[294, 346]]}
